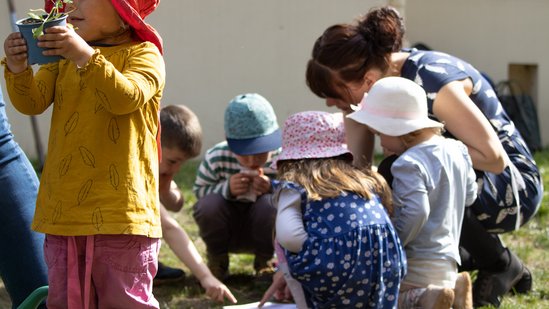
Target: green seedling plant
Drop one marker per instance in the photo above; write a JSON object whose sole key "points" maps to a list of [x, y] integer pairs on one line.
{"points": [[40, 15]]}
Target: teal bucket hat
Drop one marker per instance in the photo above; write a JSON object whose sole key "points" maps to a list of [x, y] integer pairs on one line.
{"points": [[251, 126]]}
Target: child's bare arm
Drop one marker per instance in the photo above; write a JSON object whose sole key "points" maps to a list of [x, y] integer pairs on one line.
{"points": [[170, 195], [183, 247]]}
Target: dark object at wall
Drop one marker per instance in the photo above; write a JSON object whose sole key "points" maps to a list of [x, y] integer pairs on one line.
{"points": [[522, 110]]}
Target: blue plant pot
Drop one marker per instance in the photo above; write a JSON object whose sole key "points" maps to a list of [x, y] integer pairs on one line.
{"points": [[34, 52]]}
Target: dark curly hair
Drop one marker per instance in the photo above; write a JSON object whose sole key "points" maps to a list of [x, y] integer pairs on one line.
{"points": [[345, 52]]}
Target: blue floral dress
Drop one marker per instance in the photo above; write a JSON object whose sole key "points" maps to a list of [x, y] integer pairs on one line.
{"points": [[352, 257], [505, 201]]}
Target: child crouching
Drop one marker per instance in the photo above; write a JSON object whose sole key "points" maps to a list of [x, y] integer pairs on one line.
{"points": [[338, 240]]}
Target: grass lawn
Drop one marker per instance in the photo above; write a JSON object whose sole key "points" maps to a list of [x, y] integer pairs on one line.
{"points": [[189, 293], [530, 243]]}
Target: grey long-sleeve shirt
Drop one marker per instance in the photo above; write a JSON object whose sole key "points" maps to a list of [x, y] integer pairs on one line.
{"points": [[433, 182]]}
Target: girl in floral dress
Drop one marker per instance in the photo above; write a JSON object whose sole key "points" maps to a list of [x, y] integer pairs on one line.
{"points": [[337, 237]]}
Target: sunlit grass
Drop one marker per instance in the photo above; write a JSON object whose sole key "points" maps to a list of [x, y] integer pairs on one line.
{"points": [[189, 294]]}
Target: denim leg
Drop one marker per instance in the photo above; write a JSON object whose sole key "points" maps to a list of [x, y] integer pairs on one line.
{"points": [[22, 265]]}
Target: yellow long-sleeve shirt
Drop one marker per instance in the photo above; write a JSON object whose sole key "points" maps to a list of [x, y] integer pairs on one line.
{"points": [[101, 169]]}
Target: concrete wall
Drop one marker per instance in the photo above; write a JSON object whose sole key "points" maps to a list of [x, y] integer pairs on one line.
{"points": [[215, 50], [492, 35]]}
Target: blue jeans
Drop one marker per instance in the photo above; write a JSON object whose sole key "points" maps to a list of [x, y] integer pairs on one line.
{"points": [[22, 266]]}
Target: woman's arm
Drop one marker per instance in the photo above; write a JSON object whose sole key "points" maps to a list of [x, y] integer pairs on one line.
{"points": [[360, 141], [358, 137], [466, 122]]}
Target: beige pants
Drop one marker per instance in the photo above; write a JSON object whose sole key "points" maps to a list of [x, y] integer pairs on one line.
{"points": [[422, 273]]}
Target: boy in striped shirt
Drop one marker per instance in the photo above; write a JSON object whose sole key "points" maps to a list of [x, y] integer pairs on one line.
{"points": [[234, 212]]}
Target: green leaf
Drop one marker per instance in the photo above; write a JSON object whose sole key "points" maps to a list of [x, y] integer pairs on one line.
{"points": [[41, 11], [40, 14], [38, 31], [35, 16]]}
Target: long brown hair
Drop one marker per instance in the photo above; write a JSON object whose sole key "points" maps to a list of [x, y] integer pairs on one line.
{"points": [[329, 177], [345, 52]]}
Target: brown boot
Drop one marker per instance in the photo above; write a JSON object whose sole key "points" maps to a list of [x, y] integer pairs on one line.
{"points": [[463, 292], [436, 297], [219, 265]]}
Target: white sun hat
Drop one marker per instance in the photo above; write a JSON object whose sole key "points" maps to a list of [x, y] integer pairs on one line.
{"points": [[395, 106]]}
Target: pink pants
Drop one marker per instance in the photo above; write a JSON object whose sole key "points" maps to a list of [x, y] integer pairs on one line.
{"points": [[101, 271]]}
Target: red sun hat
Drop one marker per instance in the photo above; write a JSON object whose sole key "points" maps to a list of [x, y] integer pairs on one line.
{"points": [[133, 12]]}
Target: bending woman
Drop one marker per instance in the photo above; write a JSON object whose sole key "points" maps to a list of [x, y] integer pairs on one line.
{"points": [[349, 58]]}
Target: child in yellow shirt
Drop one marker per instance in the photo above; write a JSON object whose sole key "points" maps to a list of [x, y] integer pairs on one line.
{"points": [[98, 200]]}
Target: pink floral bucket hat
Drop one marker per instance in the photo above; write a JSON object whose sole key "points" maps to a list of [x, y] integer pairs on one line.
{"points": [[313, 134]]}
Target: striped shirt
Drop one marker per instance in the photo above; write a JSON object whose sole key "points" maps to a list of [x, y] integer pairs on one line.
{"points": [[218, 166]]}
